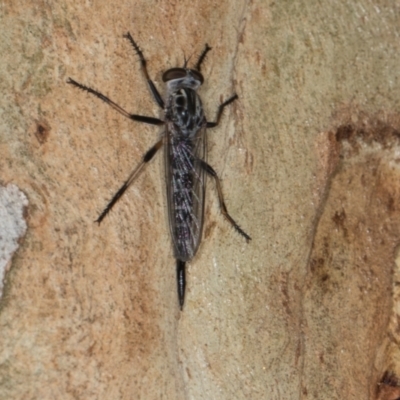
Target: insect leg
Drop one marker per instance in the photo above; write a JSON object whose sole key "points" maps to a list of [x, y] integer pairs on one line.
{"points": [[146, 158], [181, 280], [220, 109], [143, 64], [202, 57], [210, 171], [115, 106]]}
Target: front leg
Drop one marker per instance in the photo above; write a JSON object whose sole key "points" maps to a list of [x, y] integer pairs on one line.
{"points": [[220, 109], [143, 64]]}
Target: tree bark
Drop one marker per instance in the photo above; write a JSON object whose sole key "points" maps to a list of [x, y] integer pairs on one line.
{"points": [[308, 158]]}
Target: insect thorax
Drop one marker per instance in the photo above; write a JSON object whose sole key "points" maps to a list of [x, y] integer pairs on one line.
{"points": [[185, 111]]}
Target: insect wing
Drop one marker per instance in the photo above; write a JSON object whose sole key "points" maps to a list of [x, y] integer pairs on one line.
{"points": [[186, 185]]}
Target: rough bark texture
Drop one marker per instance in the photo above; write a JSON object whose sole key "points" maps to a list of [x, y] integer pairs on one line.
{"points": [[309, 158]]}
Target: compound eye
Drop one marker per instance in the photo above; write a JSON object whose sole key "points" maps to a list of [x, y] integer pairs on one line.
{"points": [[174, 73], [197, 75]]}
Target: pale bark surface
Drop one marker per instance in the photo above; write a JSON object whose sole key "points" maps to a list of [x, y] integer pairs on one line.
{"points": [[309, 158]]}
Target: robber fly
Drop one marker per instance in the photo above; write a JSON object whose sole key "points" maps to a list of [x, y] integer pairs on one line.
{"points": [[185, 143]]}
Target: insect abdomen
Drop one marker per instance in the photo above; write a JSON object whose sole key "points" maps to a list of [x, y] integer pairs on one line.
{"points": [[185, 196]]}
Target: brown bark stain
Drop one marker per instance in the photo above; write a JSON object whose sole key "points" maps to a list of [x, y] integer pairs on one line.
{"points": [[42, 131], [348, 296], [389, 387]]}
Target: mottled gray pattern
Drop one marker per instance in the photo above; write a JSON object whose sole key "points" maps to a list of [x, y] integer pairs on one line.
{"points": [[185, 145]]}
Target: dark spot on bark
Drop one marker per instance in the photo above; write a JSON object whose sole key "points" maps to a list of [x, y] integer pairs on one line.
{"points": [[42, 131]]}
